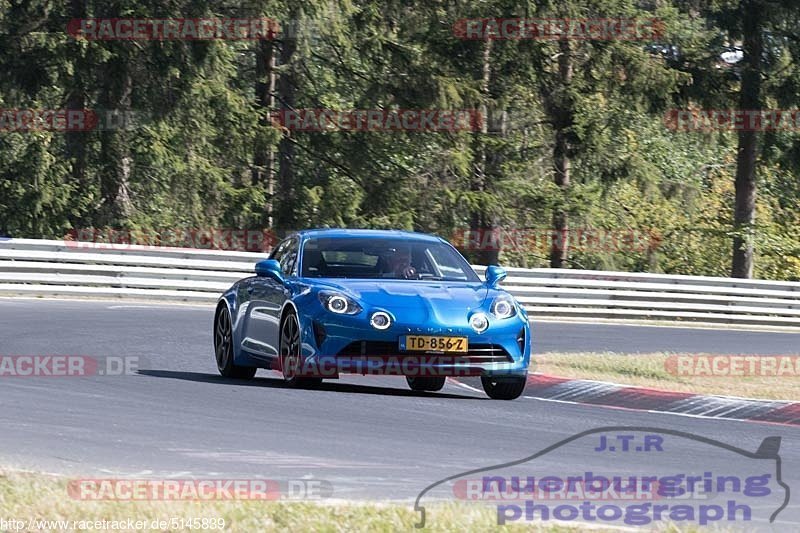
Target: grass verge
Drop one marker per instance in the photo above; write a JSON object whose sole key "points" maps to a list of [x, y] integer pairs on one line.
{"points": [[36, 497], [651, 370]]}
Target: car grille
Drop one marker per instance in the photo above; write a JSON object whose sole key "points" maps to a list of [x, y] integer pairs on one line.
{"points": [[478, 353]]}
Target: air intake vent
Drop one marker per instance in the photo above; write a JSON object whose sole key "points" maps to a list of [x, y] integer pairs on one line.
{"points": [[319, 333]]}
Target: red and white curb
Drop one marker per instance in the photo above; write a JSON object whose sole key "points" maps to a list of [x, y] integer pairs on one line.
{"points": [[581, 391]]}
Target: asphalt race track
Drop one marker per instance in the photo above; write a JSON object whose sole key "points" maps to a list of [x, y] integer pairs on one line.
{"points": [[370, 437]]}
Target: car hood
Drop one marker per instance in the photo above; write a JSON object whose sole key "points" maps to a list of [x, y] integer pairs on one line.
{"points": [[439, 297]]}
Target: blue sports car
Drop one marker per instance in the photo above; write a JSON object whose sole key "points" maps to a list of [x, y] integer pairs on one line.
{"points": [[334, 301]]}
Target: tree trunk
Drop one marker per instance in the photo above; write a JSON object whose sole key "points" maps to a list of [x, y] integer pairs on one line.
{"points": [[264, 156], [75, 141], [115, 171], [285, 217], [749, 99], [482, 223], [563, 114]]}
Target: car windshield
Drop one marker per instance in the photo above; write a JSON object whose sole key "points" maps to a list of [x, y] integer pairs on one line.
{"points": [[384, 258]]}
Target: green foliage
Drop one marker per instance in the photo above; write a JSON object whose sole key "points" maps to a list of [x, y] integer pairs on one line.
{"points": [[189, 161]]}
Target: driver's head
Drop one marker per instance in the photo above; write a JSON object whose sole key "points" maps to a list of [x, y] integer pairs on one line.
{"points": [[399, 258]]}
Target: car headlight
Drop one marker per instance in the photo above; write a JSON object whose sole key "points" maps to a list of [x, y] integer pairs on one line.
{"points": [[479, 322], [339, 303], [503, 307], [380, 320]]}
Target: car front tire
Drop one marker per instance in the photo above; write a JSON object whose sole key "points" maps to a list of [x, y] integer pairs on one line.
{"points": [[290, 354], [509, 388]]}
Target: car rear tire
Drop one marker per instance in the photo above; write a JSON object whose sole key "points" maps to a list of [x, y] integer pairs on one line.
{"points": [[431, 384], [290, 354], [223, 348], [504, 388]]}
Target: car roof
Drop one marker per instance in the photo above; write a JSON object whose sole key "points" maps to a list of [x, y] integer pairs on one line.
{"points": [[343, 232]]}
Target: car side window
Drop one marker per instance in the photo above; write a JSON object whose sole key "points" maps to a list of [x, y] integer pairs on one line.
{"points": [[288, 258], [279, 250]]}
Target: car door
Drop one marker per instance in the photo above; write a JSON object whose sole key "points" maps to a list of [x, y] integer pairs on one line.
{"points": [[267, 297]]}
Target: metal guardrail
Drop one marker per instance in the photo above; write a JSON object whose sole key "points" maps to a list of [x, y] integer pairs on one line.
{"points": [[30, 267]]}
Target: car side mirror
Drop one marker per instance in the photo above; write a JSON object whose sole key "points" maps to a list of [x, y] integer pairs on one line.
{"points": [[269, 268], [494, 275]]}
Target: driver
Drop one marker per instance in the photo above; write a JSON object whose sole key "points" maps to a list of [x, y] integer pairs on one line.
{"points": [[398, 262]]}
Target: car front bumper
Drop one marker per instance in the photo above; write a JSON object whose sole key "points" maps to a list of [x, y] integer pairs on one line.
{"points": [[343, 344]]}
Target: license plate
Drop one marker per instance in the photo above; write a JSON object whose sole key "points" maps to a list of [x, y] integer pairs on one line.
{"points": [[427, 343]]}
